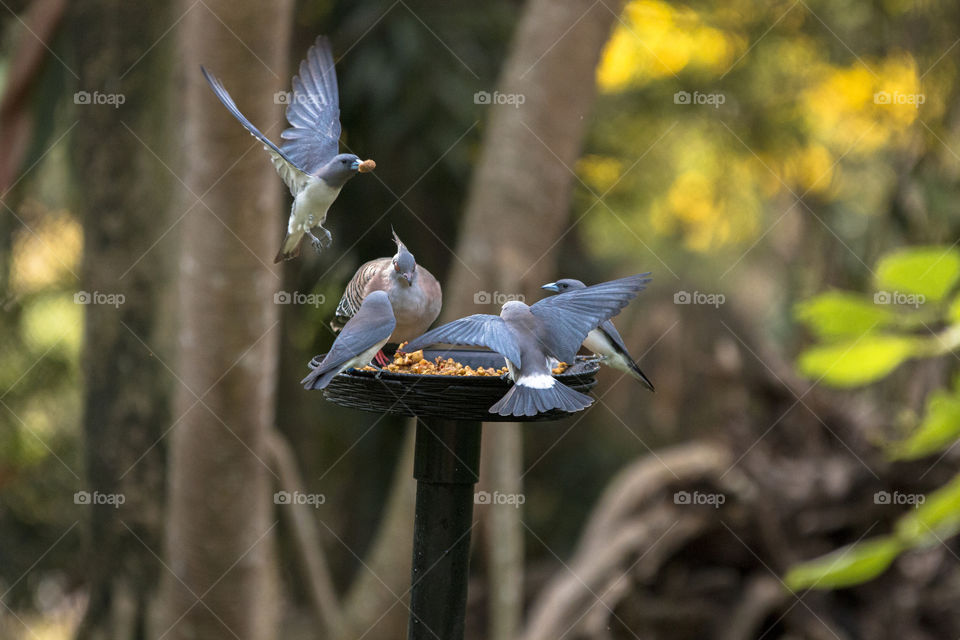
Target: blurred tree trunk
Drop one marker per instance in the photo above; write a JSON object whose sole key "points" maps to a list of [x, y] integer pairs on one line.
{"points": [[220, 526], [123, 198], [517, 209], [369, 607]]}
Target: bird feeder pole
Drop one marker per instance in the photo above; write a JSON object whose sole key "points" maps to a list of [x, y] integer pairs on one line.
{"points": [[446, 466]]}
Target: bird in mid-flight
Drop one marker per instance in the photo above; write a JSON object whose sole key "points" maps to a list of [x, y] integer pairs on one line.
{"points": [[358, 341], [531, 337], [605, 340], [309, 161], [413, 291]]}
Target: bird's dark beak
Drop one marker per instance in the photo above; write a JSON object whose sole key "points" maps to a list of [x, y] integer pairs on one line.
{"points": [[552, 286], [408, 277]]}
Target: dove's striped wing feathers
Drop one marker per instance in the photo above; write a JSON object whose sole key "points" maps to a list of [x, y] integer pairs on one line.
{"points": [[356, 290], [568, 318], [314, 111], [290, 171]]}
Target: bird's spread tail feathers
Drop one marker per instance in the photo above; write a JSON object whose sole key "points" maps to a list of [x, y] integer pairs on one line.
{"points": [[289, 248], [522, 400]]}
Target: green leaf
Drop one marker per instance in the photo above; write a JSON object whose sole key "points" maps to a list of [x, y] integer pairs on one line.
{"points": [[847, 566], [939, 428], [850, 364], [938, 518], [928, 271], [838, 313], [953, 311]]}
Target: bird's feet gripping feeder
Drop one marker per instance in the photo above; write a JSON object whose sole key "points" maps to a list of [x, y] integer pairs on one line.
{"points": [[449, 412]]}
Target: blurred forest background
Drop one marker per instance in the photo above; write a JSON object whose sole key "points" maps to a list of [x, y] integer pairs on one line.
{"points": [[787, 170]]}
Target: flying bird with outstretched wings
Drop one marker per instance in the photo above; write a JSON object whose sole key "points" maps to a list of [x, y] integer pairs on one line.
{"points": [[308, 161]]}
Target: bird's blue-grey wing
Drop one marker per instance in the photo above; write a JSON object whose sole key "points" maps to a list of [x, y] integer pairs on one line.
{"points": [[313, 112], [369, 327], [615, 339], [478, 330], [290, 171], [568, 318]]}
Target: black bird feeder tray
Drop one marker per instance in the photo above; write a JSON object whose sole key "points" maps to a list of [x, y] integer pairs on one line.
{"points": [[449, 412]]}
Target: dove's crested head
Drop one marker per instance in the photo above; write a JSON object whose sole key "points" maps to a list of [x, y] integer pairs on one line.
{"points": [[404, 264]]}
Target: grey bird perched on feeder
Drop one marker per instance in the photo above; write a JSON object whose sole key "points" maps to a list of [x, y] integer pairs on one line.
{"points": [[414, 293], [362, 337], [529, 337], [605, 340], [309, 161]]}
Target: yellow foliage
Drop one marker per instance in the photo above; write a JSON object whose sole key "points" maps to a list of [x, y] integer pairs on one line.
{"points": [[46, 253], [858, 109], [714, 191], [656, 39], [53, 320], [600, 172]]}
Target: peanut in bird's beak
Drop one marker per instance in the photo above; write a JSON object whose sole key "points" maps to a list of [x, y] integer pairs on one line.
{"points": [[367, 166]]}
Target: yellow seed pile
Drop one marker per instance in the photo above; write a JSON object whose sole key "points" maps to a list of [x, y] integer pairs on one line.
{"points": [[416, 364]]}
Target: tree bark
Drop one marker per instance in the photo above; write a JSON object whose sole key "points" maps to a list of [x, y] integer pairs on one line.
{"points": [[122, 197], [519, 196], [219, 543], [370, 608], [517, 209]]}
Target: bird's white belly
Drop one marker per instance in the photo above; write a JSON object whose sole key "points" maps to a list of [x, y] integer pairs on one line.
{"points": [[598, 343], [364, 358], [311, 205]]}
